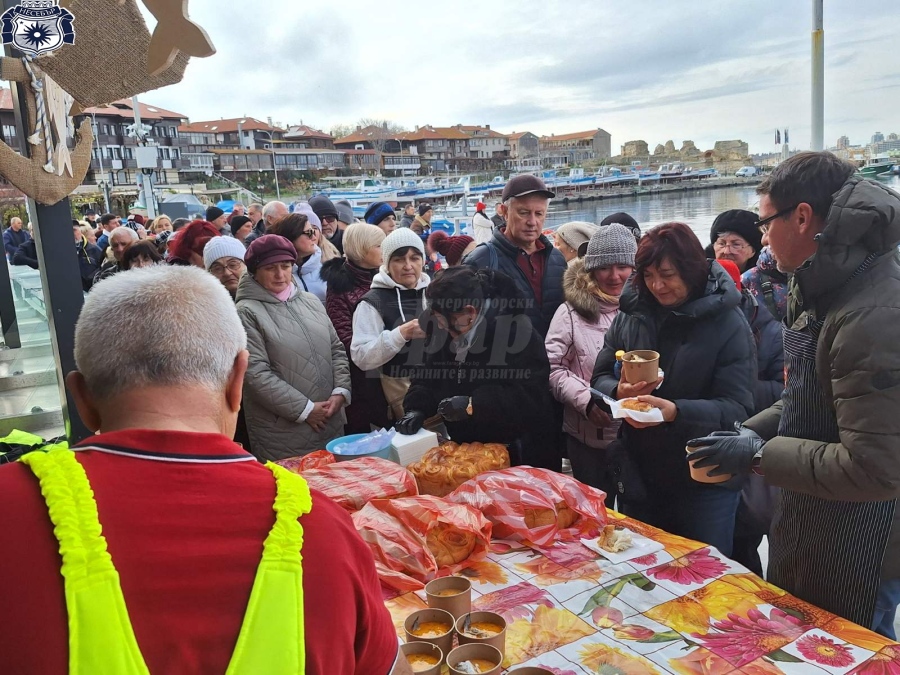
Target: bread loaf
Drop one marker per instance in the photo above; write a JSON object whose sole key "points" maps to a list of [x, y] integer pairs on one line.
{"points": [[449, 545], [442, 469]]}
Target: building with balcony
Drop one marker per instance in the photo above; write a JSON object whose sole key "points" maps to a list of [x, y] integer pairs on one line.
{"points": [[568, 149], [303, 137], [248, 133], [485, 143]]}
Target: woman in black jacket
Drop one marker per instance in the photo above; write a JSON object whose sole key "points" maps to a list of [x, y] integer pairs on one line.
{"points": [[486, 370], [687, 309]]}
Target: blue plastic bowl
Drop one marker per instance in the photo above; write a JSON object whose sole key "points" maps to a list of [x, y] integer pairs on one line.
{"points": [[387, 452]]}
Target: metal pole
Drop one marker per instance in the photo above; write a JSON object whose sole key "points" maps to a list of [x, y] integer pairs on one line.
{"points": [[274, 164], [60, 274], [817, 139], [100, 159]]}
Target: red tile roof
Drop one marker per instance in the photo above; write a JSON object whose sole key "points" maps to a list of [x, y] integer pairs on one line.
{"points": [[436, 133], [228, 126], [303, 131], [369, 134], [517, 135], [572, 137], [482, 131], [124, 108]]}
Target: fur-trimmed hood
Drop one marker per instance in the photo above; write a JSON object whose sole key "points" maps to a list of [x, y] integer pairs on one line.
{"points": [[342, 276], [580, 288]]}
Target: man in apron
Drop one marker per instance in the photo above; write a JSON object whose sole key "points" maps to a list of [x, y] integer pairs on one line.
{"points": [[833, 441], [160, 545]]}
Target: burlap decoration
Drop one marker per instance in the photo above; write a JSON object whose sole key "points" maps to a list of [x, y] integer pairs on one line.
{"points": [[108, 61], [28, 174]]}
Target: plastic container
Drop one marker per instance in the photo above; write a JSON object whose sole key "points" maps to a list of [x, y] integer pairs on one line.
{"points": [[701, 475], [424, 648], [386, 452], [498, 640], [438, 595], [445, 641], [472, 651], [642, 371]]}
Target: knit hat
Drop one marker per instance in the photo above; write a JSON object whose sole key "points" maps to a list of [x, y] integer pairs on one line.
{"points": [[402, 237], [323, 207], [378, 212], [345, 212], [450, 247], [268, 249], [576, 234], [741, 223], [222, 247], [213, 212], [623, 218], [480, 206], [305, 209], [425, 208], [610, 245], [731, 267], [237, 223]]}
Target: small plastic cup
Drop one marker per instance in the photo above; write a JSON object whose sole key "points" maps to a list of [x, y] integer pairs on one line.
{"points": [[498, 640], [443, 641], [640, 371], [472, 651], [701, 475], [452, 594], [424, 648]]}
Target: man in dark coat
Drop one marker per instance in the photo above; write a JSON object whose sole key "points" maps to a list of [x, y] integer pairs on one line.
{"points": [[327, 211], [26, 254], [521, 251], [14, 236], [831, 442]]}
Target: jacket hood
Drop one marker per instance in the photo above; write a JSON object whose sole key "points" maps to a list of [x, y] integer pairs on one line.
{"points": [[864, 221], [382, 280], [250, 289], [766, 263], [579, 290], [342, 276], [719, 296], [312, 265]]}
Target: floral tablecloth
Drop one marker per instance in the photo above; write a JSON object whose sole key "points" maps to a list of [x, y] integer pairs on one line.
{"points": [[685, 609]]}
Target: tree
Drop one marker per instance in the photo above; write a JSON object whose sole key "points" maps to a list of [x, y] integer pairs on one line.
{"points": [[382, 132], [341, 130]]}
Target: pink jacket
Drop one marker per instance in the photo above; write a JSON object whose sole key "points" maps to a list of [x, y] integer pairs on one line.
{"points": [[575, 338]]}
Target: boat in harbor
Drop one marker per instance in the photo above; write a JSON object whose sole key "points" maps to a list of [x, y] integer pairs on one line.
{"points": [[367, 191], [455, 210], [879, 164]]}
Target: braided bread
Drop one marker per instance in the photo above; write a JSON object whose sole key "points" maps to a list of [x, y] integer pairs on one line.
{"points": [[442, 469]]}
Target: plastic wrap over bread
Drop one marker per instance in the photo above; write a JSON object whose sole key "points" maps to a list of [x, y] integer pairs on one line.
{"points": [[537, 506], [417, 539], [313, 460], [444, 468], [356, 482]]}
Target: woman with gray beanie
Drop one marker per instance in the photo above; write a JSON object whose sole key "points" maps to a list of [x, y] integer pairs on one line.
{"points": [[592, 287]]}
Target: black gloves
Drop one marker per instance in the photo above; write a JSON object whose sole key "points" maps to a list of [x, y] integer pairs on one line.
{"points": [[733, 451], [410, 423], [454, 409]]}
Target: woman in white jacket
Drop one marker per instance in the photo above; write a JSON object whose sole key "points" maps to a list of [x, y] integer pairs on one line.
{"points": [[592, 287], [386, 332], [482, 226]]}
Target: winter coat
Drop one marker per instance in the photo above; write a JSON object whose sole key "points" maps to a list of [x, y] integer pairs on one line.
{"points": [[307, 275], [767, 284], [347, 284], [707, 354], [406, 221], [769, 351], [12, 240], [509, 386], [482, 228], [857, 359], [420, 226], [337, 240], [26, 254], [108, 269], [89, 260], [575, 338], [506, 260], [498, 220], [296, 359]]}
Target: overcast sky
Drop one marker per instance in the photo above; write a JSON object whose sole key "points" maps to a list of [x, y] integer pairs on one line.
{"points": [[703, 70]]}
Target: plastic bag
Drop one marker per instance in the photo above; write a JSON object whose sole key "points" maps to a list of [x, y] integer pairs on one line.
{"points": [[354, 483], [313, 460], [417, 539], [443, 469], [537, 506], [371, 442]]}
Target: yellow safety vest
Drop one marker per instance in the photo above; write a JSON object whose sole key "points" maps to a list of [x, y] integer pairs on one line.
{"points": [[101, 638]]}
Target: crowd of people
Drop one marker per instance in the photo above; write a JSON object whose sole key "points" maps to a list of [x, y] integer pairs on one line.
{"points": [[777, 342]]}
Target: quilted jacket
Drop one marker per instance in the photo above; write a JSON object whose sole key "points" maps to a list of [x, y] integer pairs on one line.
{"points": [[295, 358]]}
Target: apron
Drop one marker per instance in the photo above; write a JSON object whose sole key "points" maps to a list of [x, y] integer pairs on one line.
{"points": [[828, 553]]}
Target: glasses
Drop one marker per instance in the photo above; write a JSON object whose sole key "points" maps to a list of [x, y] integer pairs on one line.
{"points": [[329, 219], [236, 266], [763, 224], [309, 233], [735, 246]]}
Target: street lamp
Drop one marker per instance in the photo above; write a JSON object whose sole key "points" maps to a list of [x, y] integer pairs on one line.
{"points": [[274, 162], [100, 159]]}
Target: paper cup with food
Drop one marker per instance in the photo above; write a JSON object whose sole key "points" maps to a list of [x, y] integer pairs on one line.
{"points": [[485, 628], [452, 594], [423, 657], [701, 474], [474, 659], [641, 365], [434, 626]]}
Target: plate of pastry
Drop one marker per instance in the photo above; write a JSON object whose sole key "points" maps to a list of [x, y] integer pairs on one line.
{"points": [[632, 408], [619, 544]]}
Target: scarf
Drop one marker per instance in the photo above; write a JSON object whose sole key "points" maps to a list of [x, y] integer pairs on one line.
{"points": [[286, 294]]}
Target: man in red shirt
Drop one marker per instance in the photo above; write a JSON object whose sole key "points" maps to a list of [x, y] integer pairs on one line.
{"points": [[184, 510]]}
